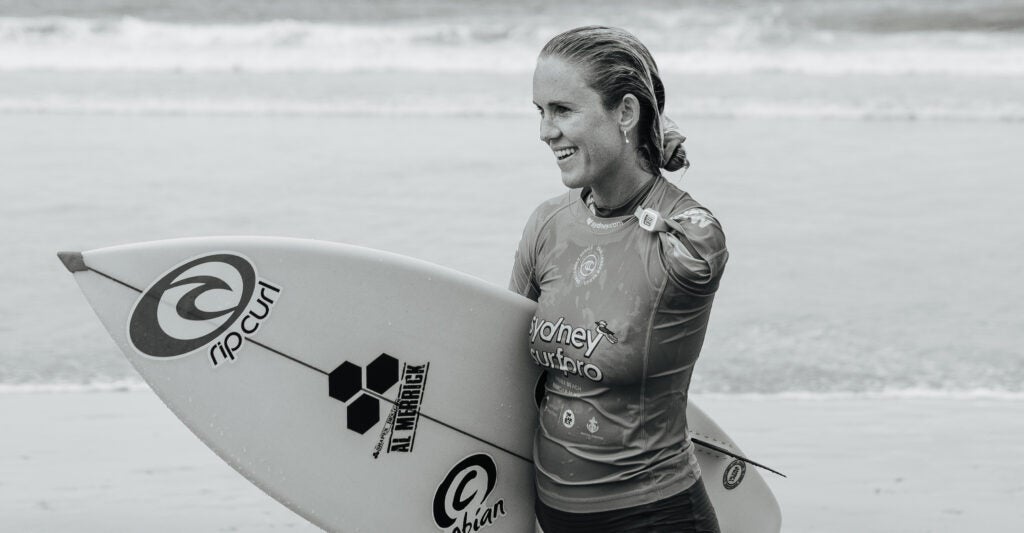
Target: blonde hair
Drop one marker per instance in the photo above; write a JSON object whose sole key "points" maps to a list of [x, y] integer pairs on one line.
{"points": [[615, 63]]}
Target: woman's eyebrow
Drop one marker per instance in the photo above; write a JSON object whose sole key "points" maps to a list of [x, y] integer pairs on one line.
{"points": [[556, 102]]}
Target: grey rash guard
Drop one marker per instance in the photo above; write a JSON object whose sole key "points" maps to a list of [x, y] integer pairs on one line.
{"points": [[621, 317]]}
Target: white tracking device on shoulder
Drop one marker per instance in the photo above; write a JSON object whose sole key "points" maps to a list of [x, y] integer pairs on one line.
{"points": [[649, 219]]}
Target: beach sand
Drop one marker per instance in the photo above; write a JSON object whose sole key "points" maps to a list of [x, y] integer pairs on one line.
{"points": [[120, 461]]}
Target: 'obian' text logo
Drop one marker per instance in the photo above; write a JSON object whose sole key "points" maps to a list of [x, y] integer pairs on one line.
{"points": [[215, 300], [460, 503]]}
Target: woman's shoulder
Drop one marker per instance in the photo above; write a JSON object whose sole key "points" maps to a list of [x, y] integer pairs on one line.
{"points": [[677, 204], [548, 209], [559, 202], [695, 248]]}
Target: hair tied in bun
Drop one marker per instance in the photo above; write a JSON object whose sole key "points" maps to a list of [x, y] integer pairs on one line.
{"points": [[673, 154]]}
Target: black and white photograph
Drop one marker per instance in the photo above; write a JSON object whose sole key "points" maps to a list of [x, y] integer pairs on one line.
{"points": [[730, 266]]}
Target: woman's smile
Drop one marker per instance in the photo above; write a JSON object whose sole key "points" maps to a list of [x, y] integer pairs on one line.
{"points": [[565, 153]]}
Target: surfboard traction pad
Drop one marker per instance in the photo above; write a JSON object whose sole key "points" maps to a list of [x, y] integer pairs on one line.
{"points": [[73, 261]]}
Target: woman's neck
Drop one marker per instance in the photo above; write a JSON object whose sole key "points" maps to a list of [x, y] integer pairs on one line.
{"points": [[619, 190]]}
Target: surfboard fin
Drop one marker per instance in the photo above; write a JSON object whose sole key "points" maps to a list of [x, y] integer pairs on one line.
{"points": [[73, 261], [719, 449]]}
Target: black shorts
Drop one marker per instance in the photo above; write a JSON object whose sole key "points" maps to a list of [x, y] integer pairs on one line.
{"points": [[689, 511]]}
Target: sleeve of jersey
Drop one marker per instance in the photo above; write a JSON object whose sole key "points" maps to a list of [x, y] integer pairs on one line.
{"points": [[694, 251], [523, 280]]}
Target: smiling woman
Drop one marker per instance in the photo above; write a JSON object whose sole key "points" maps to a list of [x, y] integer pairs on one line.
{"points": [[582, 126], [604, 262], [584, 135]]}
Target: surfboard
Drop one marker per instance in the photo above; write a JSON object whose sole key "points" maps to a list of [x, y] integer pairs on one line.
{"points": [[364, 390]]}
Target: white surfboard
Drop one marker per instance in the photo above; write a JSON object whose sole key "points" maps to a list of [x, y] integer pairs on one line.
{"points": [[364, 390]]}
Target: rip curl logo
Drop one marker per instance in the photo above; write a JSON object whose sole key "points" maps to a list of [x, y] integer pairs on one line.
{"points": [[214, 301], [460, 502], [588, 265], [699, 217]]}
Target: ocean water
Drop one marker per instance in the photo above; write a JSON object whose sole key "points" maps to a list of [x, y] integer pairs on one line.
{"points": [[887, 59], [863, 156]]}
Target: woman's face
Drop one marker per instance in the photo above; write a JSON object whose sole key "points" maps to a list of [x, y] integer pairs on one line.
{"points": [[585, 138]]}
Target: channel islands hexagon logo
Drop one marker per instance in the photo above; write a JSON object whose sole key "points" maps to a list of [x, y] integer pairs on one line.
{"points": [[347, 383]]}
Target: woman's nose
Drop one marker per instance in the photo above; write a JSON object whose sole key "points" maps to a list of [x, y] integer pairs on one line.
{"points": [[548, 131]]}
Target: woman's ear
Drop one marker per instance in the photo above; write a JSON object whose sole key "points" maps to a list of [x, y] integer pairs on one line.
{"points": [[628, 112]]}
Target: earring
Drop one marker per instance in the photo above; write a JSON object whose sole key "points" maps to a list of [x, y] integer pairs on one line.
{"points": [[625, 136]]}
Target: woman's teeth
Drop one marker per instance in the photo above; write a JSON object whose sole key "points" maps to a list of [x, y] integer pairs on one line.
{"points": [[565, 152]]}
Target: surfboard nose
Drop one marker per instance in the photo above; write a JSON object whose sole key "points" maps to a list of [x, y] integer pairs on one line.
{"points": [[73, 261]]}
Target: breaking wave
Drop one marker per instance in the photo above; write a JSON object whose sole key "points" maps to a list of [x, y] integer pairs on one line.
{"points": [[746, 46]]}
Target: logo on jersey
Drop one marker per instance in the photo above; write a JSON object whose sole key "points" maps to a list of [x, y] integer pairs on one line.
{"points": [[214, 301], [699, 217], [592, 425], [568, 418], [460, 502], [588, 265], [585, 340], [733, 475], [560, 332], [605, 225], [602, 326]]}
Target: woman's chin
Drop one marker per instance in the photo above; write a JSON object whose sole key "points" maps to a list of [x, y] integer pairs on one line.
{"points": [[573, 180]]}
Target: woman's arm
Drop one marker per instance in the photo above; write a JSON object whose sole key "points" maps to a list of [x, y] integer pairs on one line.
{"points": [[693, 246], [523, 280]]}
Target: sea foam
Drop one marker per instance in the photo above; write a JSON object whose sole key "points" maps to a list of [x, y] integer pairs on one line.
{"points": [[455, 107], [133, 44]]}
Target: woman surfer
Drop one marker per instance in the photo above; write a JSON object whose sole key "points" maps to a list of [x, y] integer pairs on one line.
{"points": [[624, 268]]}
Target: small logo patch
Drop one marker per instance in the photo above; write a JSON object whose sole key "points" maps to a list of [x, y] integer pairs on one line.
{"points": [[602, 326], [592, 425], [733, 475], [699, 217], [568, 418], [588, 265], [604, 225]]}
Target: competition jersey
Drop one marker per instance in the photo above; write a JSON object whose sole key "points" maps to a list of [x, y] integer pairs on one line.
{"points": [[620, 321]]}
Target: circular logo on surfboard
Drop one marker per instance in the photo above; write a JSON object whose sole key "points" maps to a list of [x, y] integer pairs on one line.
{"points": [[733, 475], [461, 499], [199, 302]]}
